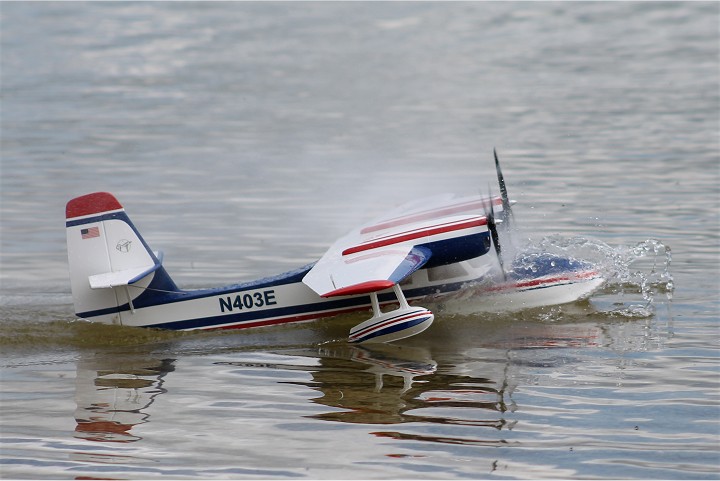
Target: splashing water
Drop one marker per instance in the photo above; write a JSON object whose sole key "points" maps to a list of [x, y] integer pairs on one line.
{"points": [[642, 269]]}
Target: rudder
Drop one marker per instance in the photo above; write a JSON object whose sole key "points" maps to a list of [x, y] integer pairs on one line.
{"points": [[111, 266]]}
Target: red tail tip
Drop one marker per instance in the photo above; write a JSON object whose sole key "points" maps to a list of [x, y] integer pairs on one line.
{"points": [[89, 204]]}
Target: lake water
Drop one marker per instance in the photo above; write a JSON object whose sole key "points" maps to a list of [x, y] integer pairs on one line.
{"points": [[244, 138]]}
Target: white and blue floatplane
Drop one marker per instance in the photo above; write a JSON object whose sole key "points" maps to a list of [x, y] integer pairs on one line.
{"points": [[427, 251]]}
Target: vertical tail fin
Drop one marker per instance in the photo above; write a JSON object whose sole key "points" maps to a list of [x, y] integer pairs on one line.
{"points": [[112, 269]]}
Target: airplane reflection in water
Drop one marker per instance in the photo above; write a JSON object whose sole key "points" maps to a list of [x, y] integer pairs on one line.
{"points": [[114, 395], [378, 385], [465, 381], [392, 383], [383, 384]]}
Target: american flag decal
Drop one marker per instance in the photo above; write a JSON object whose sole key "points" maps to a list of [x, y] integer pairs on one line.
{"points": [[90, 232]]}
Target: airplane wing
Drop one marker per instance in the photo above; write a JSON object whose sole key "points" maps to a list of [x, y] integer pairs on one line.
{"points": [[384, 252], [364, 272]]}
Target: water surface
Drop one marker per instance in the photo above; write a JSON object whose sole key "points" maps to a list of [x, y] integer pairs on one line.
{"points": [[243, 138]]}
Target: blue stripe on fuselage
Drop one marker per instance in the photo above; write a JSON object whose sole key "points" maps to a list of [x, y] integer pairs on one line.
{"points": [[443, 252], [357, 302]]}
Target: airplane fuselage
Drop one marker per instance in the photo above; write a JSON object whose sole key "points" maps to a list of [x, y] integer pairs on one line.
{"points": [[430, 252], [275, 300]]}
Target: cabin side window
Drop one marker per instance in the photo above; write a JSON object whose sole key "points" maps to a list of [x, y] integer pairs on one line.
{"points": [[449, 271]]}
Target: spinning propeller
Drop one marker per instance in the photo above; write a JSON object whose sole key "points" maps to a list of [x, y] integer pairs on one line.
{"points": [[507, 211], [492, 227]]}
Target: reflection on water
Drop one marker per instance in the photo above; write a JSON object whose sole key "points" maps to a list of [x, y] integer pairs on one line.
{"points": [[306, 120], [470, 386], [394, 384], [448, 395], [113, 397]]}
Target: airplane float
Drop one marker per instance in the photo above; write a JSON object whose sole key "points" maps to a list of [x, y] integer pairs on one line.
{"points": [[425, 251]]}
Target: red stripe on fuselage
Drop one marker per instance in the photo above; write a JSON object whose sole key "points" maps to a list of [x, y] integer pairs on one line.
{"points": [[289, 319], [546, 280]]}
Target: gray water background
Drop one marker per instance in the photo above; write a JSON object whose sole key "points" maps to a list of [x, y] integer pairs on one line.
{"points": [[243, 138]]}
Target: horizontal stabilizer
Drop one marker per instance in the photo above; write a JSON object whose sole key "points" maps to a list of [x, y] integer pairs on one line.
{"points": [[124, 277]]}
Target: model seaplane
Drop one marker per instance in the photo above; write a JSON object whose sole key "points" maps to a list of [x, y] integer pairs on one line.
{"points": [[420, 252]]}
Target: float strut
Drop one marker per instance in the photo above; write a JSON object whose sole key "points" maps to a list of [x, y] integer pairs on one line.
{"points": [[401, 297], [375, 304]]}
